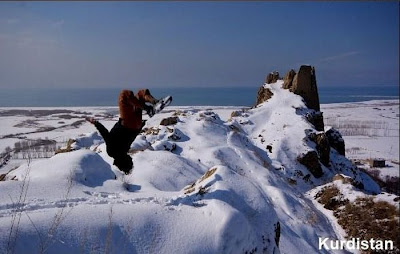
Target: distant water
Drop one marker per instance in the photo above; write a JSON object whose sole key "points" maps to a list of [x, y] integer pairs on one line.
{"points": [[215, 96]]}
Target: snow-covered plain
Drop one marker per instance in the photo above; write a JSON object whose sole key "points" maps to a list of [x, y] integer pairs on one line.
{"points": [[370, 130], [204, 185]]}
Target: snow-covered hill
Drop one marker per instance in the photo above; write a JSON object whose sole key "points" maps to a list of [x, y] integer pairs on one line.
{"points": [[207, 184]]}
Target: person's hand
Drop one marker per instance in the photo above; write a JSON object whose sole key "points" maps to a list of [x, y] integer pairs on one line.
{"points": [[91, 120], [149, 110]]}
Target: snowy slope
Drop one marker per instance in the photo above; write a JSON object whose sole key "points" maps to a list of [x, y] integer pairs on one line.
{"points": [[204, 185]]}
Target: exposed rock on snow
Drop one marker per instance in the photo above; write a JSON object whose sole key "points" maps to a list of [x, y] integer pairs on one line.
{"points": [[311, 161], [316, 119], [336, 141], [169, 121], [164, 146], [272, 77], [305, 84], [263, 94], [323, 147], [288, 79]]}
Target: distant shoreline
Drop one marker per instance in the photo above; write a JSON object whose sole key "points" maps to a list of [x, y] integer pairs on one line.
{"points": [[385, 102], [216, 96]]}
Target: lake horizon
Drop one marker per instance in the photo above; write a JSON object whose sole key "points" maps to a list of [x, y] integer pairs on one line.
{"points": [[182, 96]]}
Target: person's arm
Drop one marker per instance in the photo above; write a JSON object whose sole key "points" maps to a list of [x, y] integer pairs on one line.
{"points": [[128, 98], [103, 130], [136, 102]]}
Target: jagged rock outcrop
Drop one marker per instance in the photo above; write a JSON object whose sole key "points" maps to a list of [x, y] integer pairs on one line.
{"points": [[272, 77], [311, 162], [305, 84], [336, 141], [288, 79], [316, 119], [323, 147], [263, 94]]}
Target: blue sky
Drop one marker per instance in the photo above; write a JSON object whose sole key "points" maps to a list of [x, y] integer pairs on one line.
{"points": [[172, 44]]}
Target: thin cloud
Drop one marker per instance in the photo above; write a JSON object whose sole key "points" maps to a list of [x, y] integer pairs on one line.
{"points": [[58, 23], [344, 55], [12, 21]]}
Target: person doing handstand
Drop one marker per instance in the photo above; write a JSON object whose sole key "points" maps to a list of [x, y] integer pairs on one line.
{"points": [[119, 139]]}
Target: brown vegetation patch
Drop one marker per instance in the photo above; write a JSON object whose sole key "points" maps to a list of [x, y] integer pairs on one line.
{"points": [[364, 218], [150, 131], [68, 148], [209, 173], [236, 113], [367, 219], [331, 197], [190, 188], [179, 113]]}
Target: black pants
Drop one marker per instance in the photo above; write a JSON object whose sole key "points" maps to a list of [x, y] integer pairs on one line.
{"points": [[118, 140]]}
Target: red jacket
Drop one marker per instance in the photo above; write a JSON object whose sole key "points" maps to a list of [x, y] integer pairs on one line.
{"points": [[130, 108]]}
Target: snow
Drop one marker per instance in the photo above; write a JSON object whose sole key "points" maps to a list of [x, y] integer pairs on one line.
{"points": [[207, 184], [370, 130]]}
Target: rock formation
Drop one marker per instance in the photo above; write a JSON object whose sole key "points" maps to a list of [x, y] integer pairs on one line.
{"points": [[263, 94], [323, 147], [169, 121], [336, 141], [288, 79], [305, 84], [310, 160], [272, 77], [316, 119]]}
